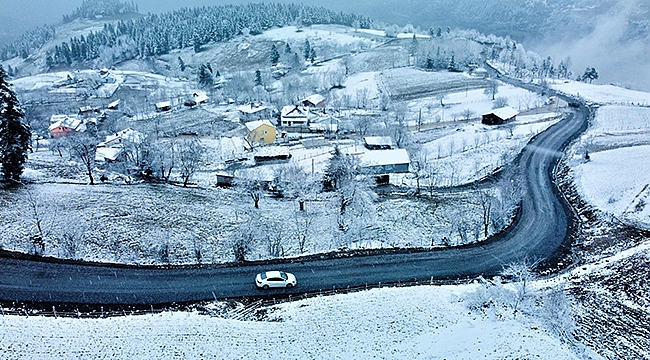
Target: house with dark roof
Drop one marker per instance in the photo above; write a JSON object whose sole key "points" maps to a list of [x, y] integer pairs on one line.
{"points": [[499, 116]]}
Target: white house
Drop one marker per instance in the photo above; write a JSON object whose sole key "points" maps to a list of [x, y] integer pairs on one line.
{"points": [[294, 116]]}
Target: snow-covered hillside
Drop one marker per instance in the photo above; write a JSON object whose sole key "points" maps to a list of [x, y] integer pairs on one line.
{"points": [[412, 323]]}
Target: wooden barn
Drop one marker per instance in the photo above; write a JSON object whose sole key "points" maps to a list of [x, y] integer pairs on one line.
{"points": [[500, 116]]}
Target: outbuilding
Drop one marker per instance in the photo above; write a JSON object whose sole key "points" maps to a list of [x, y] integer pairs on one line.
{"points": [[500, 116], [379, 162]]}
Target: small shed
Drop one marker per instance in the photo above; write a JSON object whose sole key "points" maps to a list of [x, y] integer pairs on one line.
{"points": [[225, 180], [164, 106], [378, 162], [315, 100], [200, 97], [378, 142], [499, 116]]}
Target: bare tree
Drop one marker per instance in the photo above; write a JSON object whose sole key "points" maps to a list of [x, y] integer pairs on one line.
{"points": [[304, 221], [492, 89], [250, 182], [468, 114], [41, 225], [521, 273], [83, 147], [293, 182], [485, 201], [190, 157], [500, 102], [246, 235], [398, 128]]}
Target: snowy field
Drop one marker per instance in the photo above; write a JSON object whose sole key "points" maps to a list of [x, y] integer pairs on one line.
{"points": [[424, 322], [475, 151], [326, 36], [406, 83], [620, 188], [603, 94], [474, 101]]}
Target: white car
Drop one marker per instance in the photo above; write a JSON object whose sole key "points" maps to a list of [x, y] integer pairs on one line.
{"points": [[275, 279]]}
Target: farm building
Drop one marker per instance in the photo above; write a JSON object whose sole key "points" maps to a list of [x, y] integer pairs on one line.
{"points": [[164, 106], [315, 100], [378, 142], [272, 154], [253, 111], [294, 116], [63, 125], [260, 132], [200, 97], [499, 116], [378, 162]]}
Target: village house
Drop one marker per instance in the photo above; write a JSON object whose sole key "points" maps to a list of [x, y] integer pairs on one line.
{"points": [[500, 116], [63, 125], [294, 116], [378, 142], [261, 132], [253, 111], [378, 162], [112, 149], [315, 100]]}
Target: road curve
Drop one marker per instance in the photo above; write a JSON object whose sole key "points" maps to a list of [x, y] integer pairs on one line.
{"points": [[538, 234]]}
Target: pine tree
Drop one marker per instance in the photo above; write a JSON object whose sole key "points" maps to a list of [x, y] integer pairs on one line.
{"points": [[274, 56], [413, 49], [590, 74], [14, 134], [287, 49], [258, 78], [452, 64], [430, 64], [181, 63], [307, 49], [205, 77]]}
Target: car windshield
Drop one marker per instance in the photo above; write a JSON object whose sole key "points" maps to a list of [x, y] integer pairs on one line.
{"points": [[263, 276], [284, 276]]}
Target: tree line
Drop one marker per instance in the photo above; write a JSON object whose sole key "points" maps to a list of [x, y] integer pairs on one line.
{"points": [[158, 34]]}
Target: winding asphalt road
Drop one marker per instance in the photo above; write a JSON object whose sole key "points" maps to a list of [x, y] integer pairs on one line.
{"points": [[538, 234]]}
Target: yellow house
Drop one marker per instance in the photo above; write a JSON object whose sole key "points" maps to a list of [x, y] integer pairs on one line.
{"points": [[261, 132]]}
